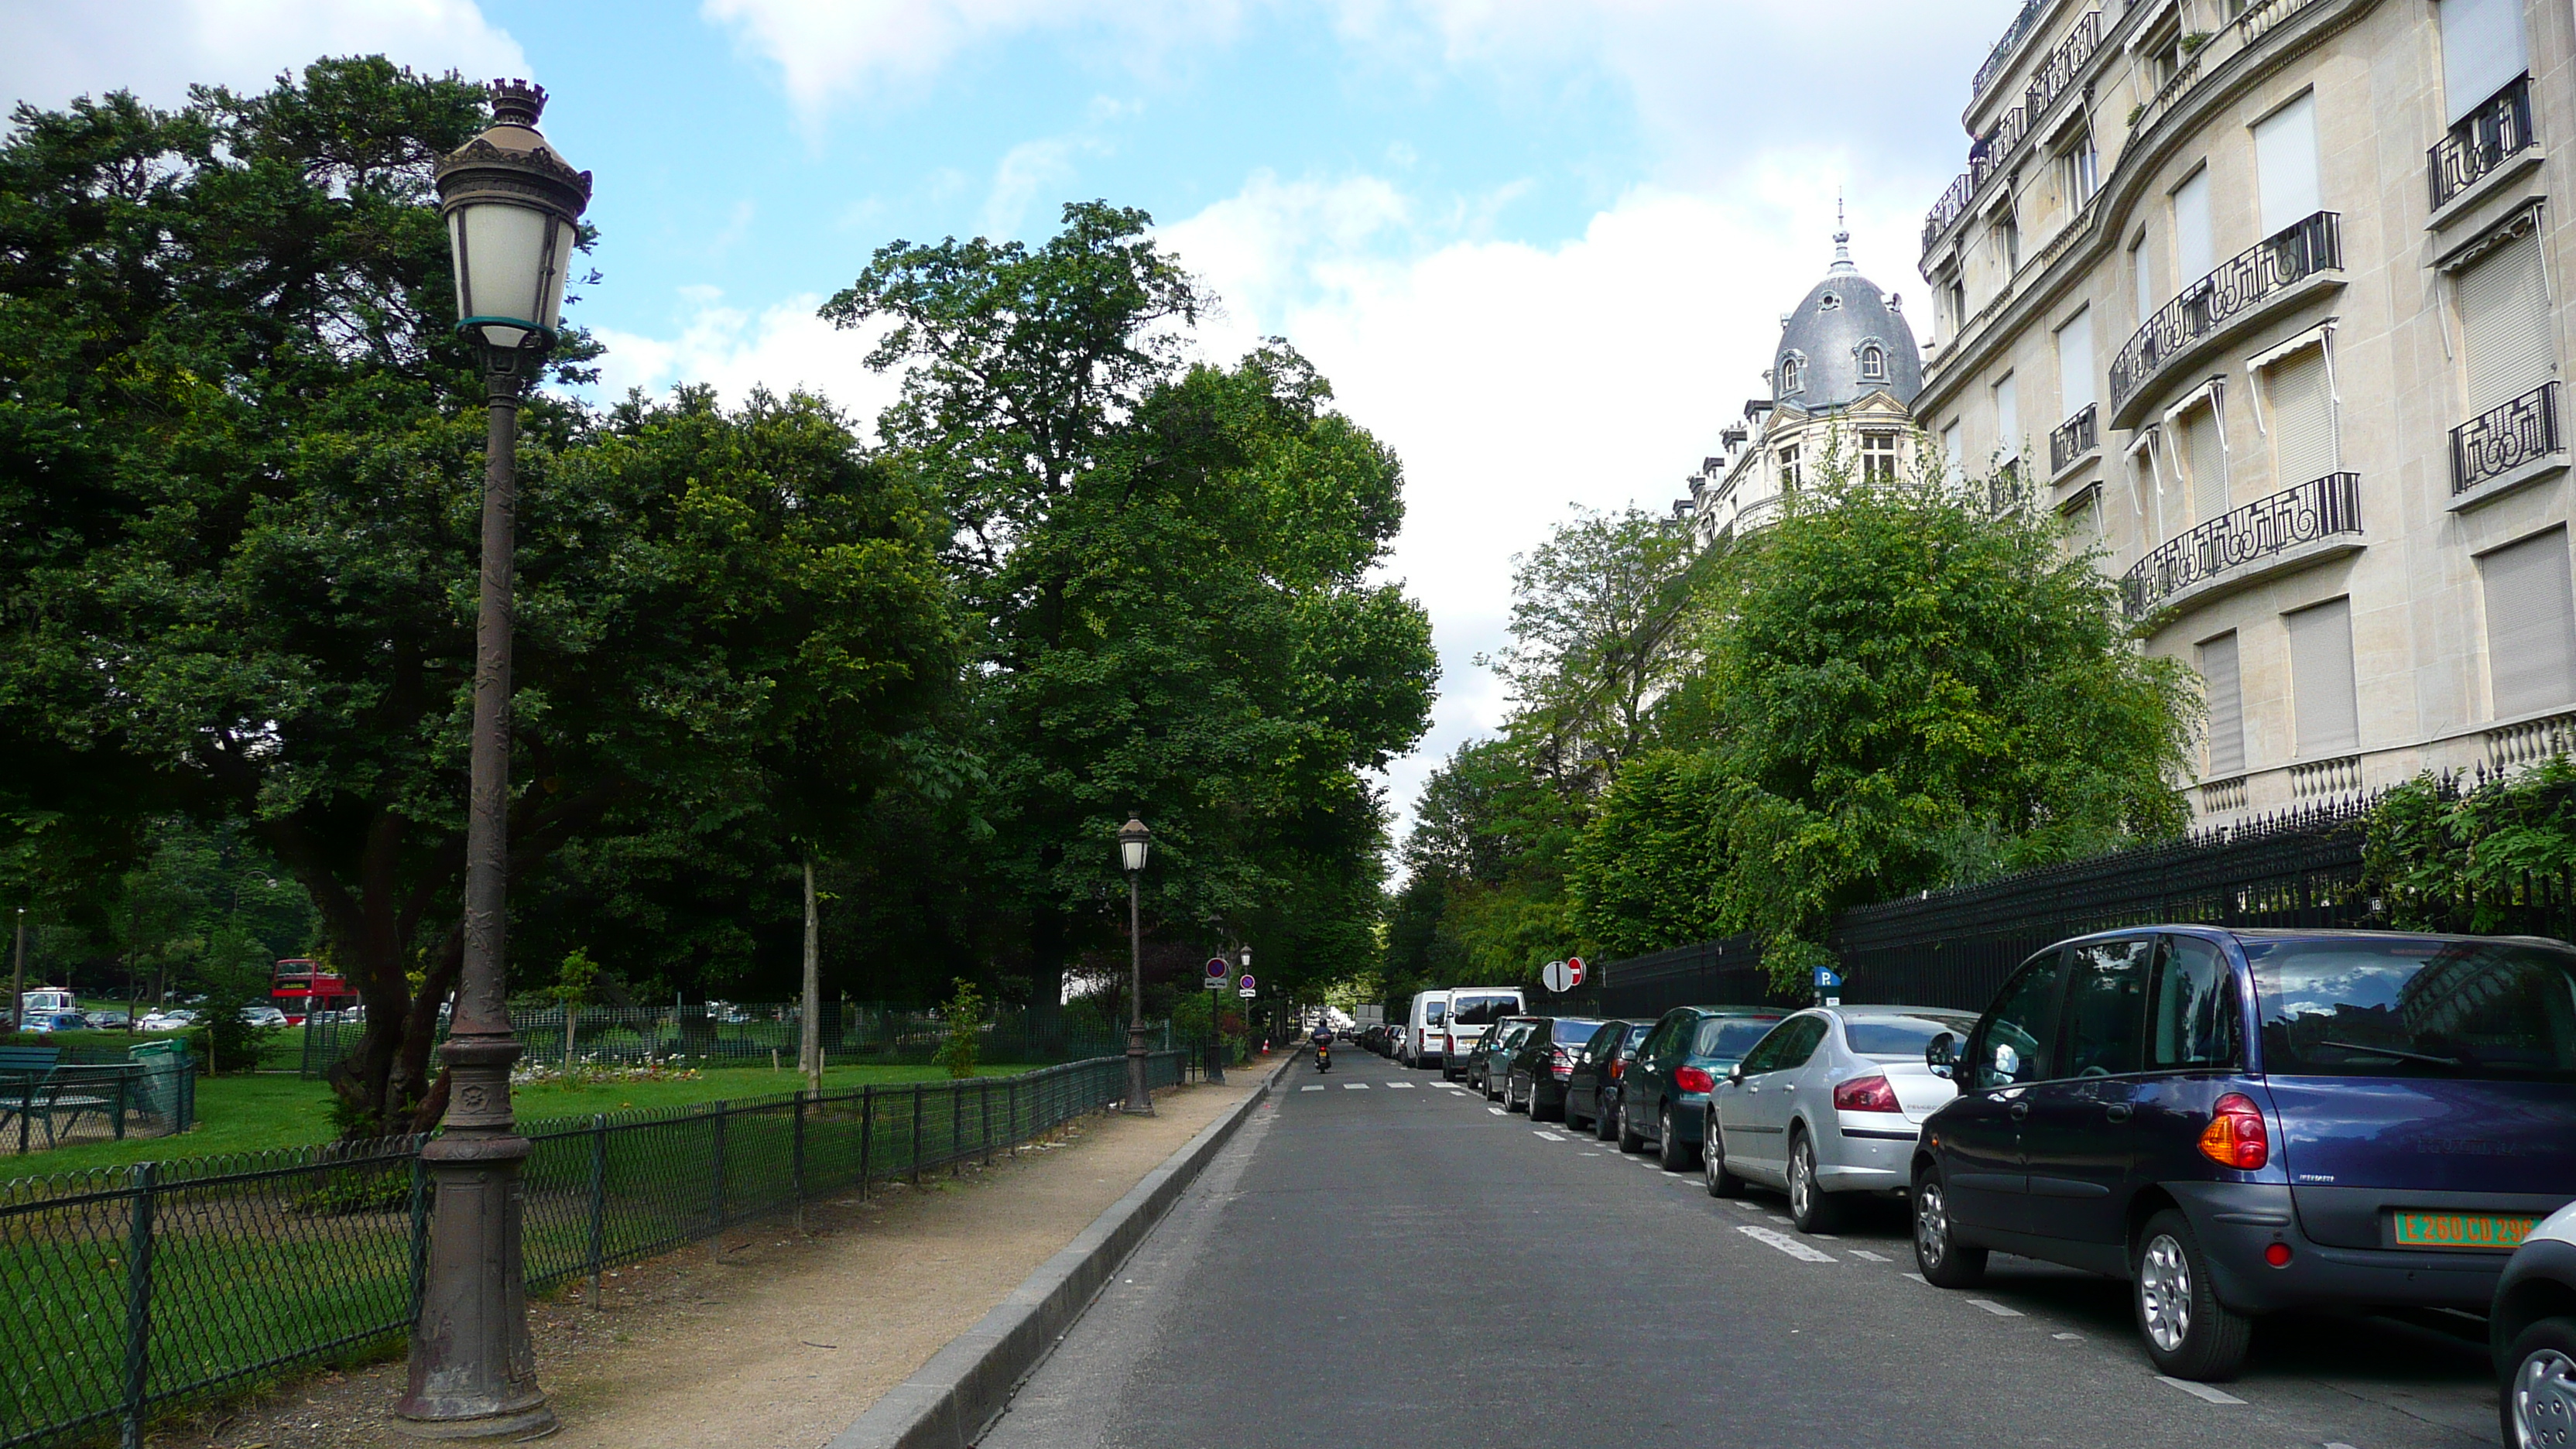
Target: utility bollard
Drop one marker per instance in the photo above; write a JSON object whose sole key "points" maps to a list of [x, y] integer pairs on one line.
{"points": [[716, 1178]]}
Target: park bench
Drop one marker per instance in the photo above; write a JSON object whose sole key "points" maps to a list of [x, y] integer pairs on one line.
{"points": [[35, 1087]]}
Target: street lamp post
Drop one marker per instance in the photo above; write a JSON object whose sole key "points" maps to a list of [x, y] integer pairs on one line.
{"points": [[1133, 840], [510, 203]]}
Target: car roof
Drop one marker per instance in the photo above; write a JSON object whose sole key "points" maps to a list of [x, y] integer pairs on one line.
{"points": [[2290, 933]]}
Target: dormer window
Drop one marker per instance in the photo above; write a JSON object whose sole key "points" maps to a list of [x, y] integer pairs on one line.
{"points": [[1793, 374], [1873, 362], [1828, 303]]}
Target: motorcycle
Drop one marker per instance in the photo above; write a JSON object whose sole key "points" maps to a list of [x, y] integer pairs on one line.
{"points": [[1323, 1056]]}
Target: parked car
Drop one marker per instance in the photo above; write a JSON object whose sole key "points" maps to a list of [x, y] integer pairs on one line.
{"points": [[53, 1021], [2244, 1122], [1426, 1026], [1534, 1076], [1827, 1105], [108, 1019], [1485, 1062], [1472, 1011], [1592, 1092], [2532, 1325], [256, 1015], [1663, 1092], [174, 1020]]}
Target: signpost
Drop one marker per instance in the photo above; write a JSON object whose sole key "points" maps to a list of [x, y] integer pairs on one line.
{"points": [[1829, 986], [1216, 969], [1563, 975], [1244, 987]]}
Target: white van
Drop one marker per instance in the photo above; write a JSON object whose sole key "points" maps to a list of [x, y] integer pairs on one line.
{"points": [[1423, 1025], [1472, 1009]]}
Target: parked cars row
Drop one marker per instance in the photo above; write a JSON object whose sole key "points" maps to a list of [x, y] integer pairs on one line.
{"points": [[2236, 1123]]}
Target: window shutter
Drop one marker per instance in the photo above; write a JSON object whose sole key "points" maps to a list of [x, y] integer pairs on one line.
{"points": [[2285, 164], [2531, 625], [2329, 720], [2226, 698], [2207, 459], [1950, 457], [2504, 322], [2142, 270], [2075, 364], [2191, 232], [2482, 51], [2303, 424], [2008, 419]]}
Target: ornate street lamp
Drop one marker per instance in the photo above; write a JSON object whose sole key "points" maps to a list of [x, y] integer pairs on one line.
{"points": [[510, 204], [1133, 841]]}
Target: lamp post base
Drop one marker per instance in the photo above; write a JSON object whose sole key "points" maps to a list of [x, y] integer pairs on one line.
{"points": [[1140, 1102]]}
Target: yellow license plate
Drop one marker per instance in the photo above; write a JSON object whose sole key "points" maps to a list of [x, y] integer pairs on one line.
{"points": [[2463, 1230]]}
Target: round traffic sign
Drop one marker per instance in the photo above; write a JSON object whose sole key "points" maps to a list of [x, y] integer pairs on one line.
{"points": [[1216, 967], [1574, 968], [1557, 977]]}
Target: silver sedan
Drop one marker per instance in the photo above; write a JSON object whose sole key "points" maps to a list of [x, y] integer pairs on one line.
{"points": [[1828, 1104]]}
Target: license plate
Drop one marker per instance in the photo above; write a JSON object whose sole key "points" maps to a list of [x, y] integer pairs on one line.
{"points": [[2463, 1230]]}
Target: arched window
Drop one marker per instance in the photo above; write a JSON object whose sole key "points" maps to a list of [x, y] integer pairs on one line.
{"points": [[1792, 375], [1873, 362]]}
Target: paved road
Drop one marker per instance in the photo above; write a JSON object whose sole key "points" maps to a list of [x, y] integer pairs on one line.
{"points": [[1388, 1262]]}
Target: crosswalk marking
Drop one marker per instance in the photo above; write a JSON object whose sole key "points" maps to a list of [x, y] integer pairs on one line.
{"points": [[1550, 1136], [1354, 1086], [1310, 1089], [1399, 1086], [2202, 1392], [1866, 1253], [1497, 1111], [1997, 1309], [1784, 1243], [1919, 1278]]}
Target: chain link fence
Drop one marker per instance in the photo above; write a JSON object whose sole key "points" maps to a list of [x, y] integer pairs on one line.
{"points": [[127, 1290]]}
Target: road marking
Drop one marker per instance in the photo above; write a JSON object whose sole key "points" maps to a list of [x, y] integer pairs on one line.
{"points": [[1497, 1111], [1743, 1206], [1784, 1243], [1775, 1217], [1400, 1086], [1867, 1254], [1592, 1154], [2079, 1338], [1997, 1309], [1550, 1136], [1354, 1086], [1310, 1089], [2202, 1392], [1919, 1278]]}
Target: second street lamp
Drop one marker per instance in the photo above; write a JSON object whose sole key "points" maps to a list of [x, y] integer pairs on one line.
{"points": [[1133, 841], [511, 206]]}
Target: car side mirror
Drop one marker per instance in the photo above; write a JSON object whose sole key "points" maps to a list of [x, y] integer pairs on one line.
{"points": [[1735, 1073], [1941, 1054]]}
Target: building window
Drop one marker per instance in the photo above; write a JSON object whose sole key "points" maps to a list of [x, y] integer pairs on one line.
{"points": [[1789, 468], [2079, 169], [2008, 241], [2204, 458], [2007, 419], [1956, 294], [1878, 457], [2193, 257], [2285, 165], [2531, 625], [2303, 421], [2321, 682], [2142, 271], [2505, 323], [2482, 52], [2223, 689], [1791, 375], [1829, 303], [2075, 363], [1953, 462], [1873, 362]]}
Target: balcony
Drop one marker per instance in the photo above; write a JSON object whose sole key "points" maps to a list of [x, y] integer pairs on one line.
{"points": [[2235, 545], [2483, 140], [2507, 439], [2058, 72], [2074, 439], [2239, 291], [2001, 56], [2006, 491]]}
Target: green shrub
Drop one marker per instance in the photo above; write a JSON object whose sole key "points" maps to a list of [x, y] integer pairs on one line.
{"points": [[965, 1016]]}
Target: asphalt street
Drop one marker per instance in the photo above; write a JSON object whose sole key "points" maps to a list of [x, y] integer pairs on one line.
{"points": [[1377, 1259]]}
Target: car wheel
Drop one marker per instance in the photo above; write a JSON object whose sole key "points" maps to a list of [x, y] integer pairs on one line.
{"points": [[1712, 1162], [1945, 1261], [1605, 1118], [2189, 1333], [2540, 1385], [1630, 1140], [1670, 1150], [1539, 1113], [1811, 1208]]}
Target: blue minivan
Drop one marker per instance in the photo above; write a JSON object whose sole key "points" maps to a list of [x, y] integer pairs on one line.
{"points": [[2242, 1122]]}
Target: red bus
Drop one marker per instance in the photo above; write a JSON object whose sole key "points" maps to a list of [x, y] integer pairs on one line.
{"points": [[300, 987]]}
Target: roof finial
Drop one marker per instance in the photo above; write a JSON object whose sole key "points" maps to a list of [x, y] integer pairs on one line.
{"points": [[1842, 235]]}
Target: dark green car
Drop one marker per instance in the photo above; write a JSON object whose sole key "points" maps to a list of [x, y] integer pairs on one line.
{"points": [[1492, 1055], [1663, 1094]]}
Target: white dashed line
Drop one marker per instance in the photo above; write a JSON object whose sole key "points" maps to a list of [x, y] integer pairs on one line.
{"points": [[1997, 1309], [1592, 1154], [1354, 1086], [2202, 1392], [1310, 1089], [1866, 1254], [2079, 1338], [1824, 1237], [1775, 1217], [1742, 1206], [1497, 1111], [1784, 1243], [1399, 1086], [1550, 1136], [1919, 1278]]}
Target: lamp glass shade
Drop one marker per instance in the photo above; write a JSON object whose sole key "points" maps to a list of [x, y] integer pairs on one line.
{"points": [[510, 266], [1132, 853]]}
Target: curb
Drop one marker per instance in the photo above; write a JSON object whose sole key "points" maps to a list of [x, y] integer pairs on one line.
{"points": [[950, 1400]]}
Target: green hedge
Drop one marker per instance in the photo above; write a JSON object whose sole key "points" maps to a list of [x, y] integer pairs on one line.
{"points": [[92, 1045]]}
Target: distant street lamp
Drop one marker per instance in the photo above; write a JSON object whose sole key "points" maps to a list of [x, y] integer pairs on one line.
{"points": [[1133, 841], [511, 205]]}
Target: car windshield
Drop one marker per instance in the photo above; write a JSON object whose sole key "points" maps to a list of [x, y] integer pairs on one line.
{"points": [[1574, 1031], [2375, 1007], [1510, 1036], [1902, 1036], [1470, 1008], [1435, 1013], [1730, 1037]]}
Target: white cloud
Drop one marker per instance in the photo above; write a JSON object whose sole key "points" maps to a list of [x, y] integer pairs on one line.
{"points": [[156, 48], [782, 347]]}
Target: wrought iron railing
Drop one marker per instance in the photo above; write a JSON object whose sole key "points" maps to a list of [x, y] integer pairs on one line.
{"points": [[2057, 72], [2313, 510], [2245, 281], [2002, 54], [1952, 205], [2074, 438], [2502, 439], [2007, 490], [2480, 142]]}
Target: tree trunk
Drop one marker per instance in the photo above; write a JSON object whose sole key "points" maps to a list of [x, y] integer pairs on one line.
{"points": [[809, 1036]]}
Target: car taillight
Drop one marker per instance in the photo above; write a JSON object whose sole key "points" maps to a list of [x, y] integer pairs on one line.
{"points": [[1559, 1063], [1617, 1065], [1693, 1079], [2235, 1136], [1865, 1094]]}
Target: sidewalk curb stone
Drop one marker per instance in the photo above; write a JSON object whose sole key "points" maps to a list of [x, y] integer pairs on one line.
{"points": [[950, 1401]]}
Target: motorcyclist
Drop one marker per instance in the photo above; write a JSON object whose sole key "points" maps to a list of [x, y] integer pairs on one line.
{"points": [[1322, 1037]]}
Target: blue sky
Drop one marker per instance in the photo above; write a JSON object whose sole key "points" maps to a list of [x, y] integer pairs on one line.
{"points": [[1539, 245]]}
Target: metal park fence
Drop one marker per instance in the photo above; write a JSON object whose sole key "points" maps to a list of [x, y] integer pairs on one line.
{"points": [[751, 1034], [124, 1291]]}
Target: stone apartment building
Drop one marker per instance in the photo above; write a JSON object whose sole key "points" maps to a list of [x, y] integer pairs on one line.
{"points": [[2270, 300]]}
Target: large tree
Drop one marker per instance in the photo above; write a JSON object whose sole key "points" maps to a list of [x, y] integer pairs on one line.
{"points": [[240, 475]]}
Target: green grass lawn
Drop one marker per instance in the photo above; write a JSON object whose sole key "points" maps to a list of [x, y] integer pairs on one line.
{"points": [[271, 1109]]}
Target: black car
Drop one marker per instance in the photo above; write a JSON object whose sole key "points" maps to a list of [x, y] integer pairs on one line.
{"points": [[1592, 1088], [1483, 1068], [2247, 1122], [1535, 1077]]}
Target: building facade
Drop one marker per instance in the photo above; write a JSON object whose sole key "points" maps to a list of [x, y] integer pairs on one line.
{"points": [[1845, 368], [2269, 301]]}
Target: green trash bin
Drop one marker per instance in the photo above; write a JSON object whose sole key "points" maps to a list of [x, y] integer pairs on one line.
{"points": [[166, 1091]]}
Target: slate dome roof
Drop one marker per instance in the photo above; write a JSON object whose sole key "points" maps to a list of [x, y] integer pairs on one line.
{"points": [[1822, 362]]}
